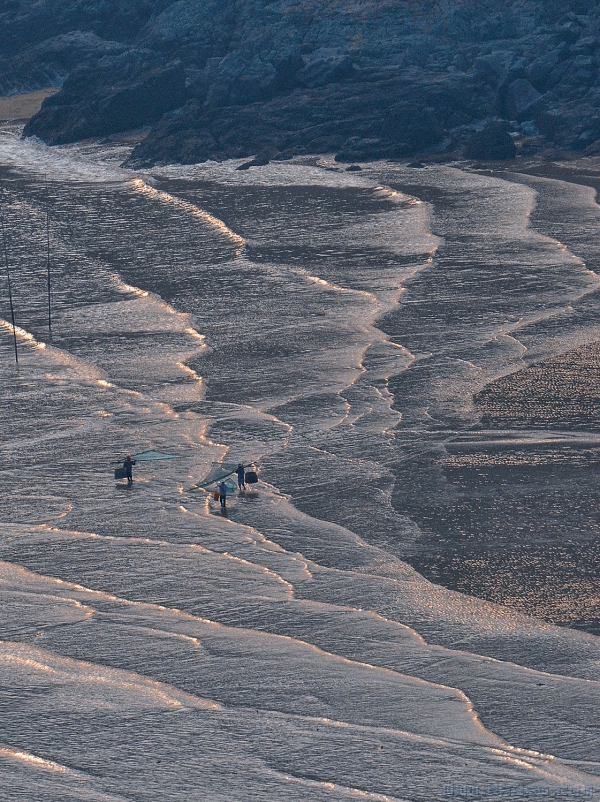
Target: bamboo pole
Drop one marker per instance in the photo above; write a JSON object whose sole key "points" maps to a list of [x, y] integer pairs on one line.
{"points": [[48, 271], [10, 298]]}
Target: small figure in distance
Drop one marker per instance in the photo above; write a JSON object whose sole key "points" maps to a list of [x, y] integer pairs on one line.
{"points": [[222, 488], [128, 464], [240, 477]]}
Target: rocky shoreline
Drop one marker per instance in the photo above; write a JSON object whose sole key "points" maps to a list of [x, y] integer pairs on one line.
{"points": [[392, 79]]}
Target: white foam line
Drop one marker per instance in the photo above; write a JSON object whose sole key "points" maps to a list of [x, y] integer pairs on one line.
{"points": [[64, 163], [382, 670], [91, 374], [129, 288], [191, 372], [22, 334], [502, 748], [91, 369], [545, 766], [336, 287], [394, 195], [84, 671], [145, 189], [529, 228], [50, 766], [29, 575], [523, 437], [195, 334], [38, 762], [89, 612], [370, 796], [179, 547], [381, 306], [258, 540]]}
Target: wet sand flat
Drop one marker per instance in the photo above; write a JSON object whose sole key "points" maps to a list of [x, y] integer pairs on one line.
{"points": [[22, 107], [508, 504]]}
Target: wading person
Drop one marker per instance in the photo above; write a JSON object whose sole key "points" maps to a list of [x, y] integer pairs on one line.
{"points": [[222, 488], [240, 477], [128, 464]]}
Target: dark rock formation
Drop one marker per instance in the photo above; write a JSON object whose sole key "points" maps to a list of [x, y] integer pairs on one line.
{"points": [[259, 161], [355, 120], [520, 95], [540, 70], [49, 63], [385, 79], [118, 94], [493, 142], [31, 22]]}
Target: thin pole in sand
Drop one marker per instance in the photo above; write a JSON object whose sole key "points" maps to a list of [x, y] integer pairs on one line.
{"points": [[10, 298], [48, 259]]}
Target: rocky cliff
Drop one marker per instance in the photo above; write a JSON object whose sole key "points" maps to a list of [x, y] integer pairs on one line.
{"points": [[360, 78]]}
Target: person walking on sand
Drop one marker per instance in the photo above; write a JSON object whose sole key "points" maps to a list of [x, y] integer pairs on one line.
{"points": [[128, 464], [222, 488], [240, 477]]}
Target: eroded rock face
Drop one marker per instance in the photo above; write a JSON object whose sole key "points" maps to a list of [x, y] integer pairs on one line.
{"points": [[356, 121], [120, 93], [50, 62], [386, 78]]}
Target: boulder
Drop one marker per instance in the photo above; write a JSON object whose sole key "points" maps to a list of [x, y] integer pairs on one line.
{"points": [[411, 127], [493, 67], [324, 68], [353, 120], [519, 95], [182, 136], [68, 50], [539, 71], [258, 161], [532, 116], [492, 143], [571, 30], [553, 124], [28, 23], [246, 80]]}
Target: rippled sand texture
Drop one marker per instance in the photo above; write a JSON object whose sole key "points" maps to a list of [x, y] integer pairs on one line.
{"points": [[341, 331]]}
